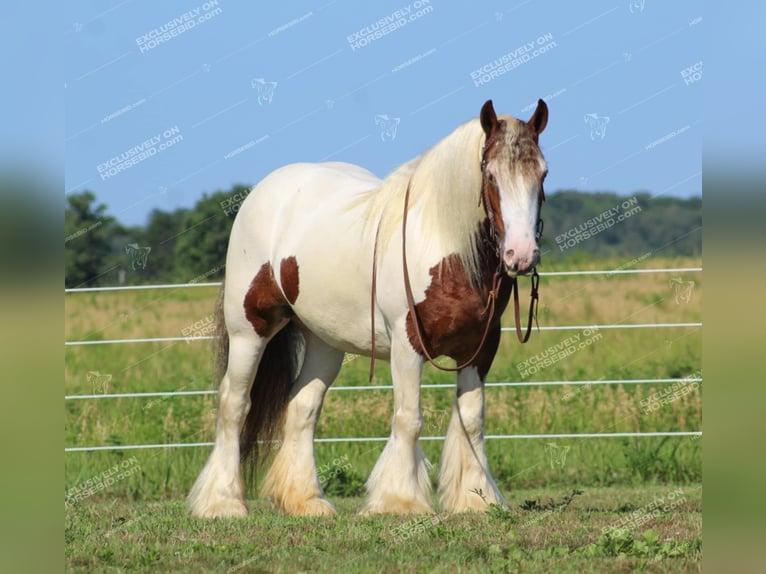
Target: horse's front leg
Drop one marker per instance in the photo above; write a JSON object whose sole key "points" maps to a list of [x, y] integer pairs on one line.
{"points": [[399, 483], [463, 469]]}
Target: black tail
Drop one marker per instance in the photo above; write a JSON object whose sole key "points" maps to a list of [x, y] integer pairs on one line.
{"points": [[270, 394], [221, 342], [270, 391]]}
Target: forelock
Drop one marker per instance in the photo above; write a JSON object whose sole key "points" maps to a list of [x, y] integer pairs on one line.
{"points": [[516, 148]]}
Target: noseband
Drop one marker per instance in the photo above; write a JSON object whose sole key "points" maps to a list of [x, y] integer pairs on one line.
{"points": [[495, 234]]}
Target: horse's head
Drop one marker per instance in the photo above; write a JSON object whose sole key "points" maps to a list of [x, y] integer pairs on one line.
{"points": [[513, 171]]}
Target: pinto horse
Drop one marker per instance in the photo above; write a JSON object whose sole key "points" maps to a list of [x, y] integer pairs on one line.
{"points": [[326, 259]]}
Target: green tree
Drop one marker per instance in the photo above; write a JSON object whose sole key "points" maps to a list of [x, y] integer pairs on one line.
{"points": [[88, 235], [665, 226], [200, 249], [161, 235]]}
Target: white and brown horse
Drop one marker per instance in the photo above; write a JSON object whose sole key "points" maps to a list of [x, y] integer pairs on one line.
{"points": [[315, 264]]}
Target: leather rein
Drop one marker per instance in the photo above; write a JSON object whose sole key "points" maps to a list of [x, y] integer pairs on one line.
{"points": [[494, 292]]}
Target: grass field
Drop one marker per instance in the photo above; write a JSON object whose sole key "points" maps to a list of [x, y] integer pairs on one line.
{"points": [[142, 504], [592, 533]]}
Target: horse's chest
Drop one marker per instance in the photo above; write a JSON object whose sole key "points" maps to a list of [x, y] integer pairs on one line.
{"points": [[454, 315]]}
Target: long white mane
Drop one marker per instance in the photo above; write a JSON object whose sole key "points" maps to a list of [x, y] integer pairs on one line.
{"points": [[444, 208]]}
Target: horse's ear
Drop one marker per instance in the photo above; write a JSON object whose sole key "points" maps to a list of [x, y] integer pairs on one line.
{"points": [[488, 118], [539, 119]]}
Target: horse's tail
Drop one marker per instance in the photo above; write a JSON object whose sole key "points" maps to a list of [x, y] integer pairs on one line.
{"points": [[270, 391], [269, 396], [221, 341]]}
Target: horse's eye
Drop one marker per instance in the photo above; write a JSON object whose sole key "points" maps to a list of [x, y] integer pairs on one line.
{"points": [[491, 179]]}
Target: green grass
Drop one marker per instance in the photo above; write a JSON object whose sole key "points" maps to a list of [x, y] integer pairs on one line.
{"points": [[622, 471], [589, 534]]}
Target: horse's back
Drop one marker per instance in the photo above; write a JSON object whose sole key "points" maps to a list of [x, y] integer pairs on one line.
{"points": [[316, 216], [298, 199], [322, 181], [349, 170]]}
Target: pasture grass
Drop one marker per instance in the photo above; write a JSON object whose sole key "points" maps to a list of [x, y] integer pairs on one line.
{"points": [[598, 529]]}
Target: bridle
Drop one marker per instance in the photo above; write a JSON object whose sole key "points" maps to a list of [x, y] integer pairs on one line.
{"points": [[497, 277], [495, 236]]}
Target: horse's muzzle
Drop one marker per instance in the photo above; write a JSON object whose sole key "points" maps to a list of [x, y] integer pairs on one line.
{"points": [[515, 266]]}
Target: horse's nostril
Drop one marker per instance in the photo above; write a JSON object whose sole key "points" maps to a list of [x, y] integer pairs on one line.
{"points": [[514, 267]]}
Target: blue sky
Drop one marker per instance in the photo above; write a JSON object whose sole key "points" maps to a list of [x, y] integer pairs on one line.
{"points": [[166, 101]]}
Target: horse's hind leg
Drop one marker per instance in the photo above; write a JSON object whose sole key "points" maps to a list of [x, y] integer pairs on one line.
{"points": [[292, 482], [463, 468], [219, 489]]}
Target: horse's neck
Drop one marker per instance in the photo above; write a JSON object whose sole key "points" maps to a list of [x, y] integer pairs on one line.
{"points": [[445, 186], [488, 257]]}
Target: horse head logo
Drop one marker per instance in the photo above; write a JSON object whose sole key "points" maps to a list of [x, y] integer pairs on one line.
{"points": [[265, 90], [558, 454], [99, 382], [138, 255], [636, 6], [597, 125], [683, 290], [387, 126]]}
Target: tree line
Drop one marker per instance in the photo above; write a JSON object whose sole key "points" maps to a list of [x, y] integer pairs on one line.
{"points": [[189, 245]]}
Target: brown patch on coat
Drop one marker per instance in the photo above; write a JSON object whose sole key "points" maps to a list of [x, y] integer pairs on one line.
{"points": [[491, 197], [265, 306], [453, 314], [288, 276], [490, 194]]}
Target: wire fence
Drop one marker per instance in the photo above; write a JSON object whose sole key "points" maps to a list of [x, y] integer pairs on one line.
{"points": [[140, 395], [385, 438], [390, 387], [503, 329], [543, 274]]}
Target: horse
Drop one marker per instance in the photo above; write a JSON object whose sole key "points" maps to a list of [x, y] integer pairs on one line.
{"points": [[326, 259]]}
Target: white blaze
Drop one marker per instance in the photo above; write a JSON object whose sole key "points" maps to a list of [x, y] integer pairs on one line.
{"points": [[519, 209]]}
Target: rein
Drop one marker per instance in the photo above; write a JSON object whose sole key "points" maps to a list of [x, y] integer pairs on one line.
{"points": [[494, 291], [490, 307]]}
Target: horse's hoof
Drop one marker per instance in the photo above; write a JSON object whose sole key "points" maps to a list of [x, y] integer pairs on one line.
{"points": [[396, 505], [312, 507], [318, 507], [227, 508]]}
